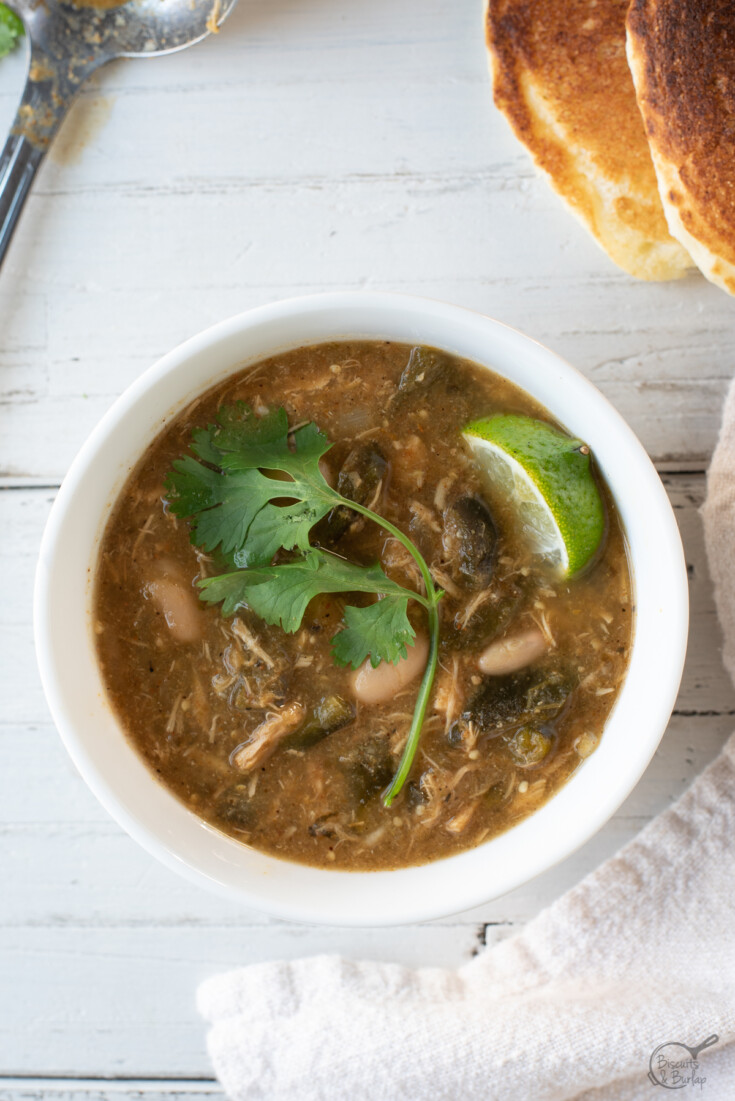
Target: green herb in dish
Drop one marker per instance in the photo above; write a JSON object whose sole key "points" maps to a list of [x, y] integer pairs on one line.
{"points": [[232, 490], [11, 29]]}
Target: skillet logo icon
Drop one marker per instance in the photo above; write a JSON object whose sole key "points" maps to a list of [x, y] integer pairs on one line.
{"points": [[674, 1065]]}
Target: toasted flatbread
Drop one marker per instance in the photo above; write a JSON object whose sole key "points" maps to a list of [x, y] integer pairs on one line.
{"points": [[561, 77], [682, 58]]}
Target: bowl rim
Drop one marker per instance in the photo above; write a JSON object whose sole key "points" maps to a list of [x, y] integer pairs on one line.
{"points": [[181, 840]]}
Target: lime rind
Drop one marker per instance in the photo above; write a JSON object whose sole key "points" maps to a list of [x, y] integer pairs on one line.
{"points": [[548, 477]]}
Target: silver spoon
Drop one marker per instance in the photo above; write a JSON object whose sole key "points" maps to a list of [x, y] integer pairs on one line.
{"points": [[67, 44]]}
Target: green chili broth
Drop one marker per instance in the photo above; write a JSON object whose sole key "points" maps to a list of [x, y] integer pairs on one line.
{"points": [[191, 687]]}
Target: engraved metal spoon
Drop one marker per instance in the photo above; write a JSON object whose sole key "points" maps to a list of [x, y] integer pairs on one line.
{"points": [[67, 44]]}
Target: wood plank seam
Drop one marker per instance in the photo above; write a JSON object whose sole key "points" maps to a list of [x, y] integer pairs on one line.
{"points": [[27, 1086]]}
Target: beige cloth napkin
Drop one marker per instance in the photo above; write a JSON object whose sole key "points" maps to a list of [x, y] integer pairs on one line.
{"points": [[640, 954]]}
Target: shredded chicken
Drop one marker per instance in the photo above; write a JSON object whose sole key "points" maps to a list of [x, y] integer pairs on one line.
{"points": [[425, 516], [473, 606], [199, 702], [434, 789], [233, 659], [312, 384], [396, 557], [173, 714], [461, 819], [543, 624], [145, 530], [468, 734], [267, 736], [203, 561], [260, 694], [448, 697], [251, 642], [329, 825], [373, 502], [444, 580], [194, 702], [221, 683], [442, 489], [459, 776]]}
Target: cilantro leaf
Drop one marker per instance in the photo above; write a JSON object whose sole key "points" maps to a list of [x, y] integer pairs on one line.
{"points": [[11, 29], [280, 595], [379, 630], [233, 504], [231, 489], [279, 526]]}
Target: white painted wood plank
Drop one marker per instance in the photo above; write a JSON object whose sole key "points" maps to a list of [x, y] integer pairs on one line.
{"points": [[120, 1002], [54, 388]]}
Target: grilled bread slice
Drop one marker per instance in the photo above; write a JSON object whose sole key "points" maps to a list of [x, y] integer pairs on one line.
{"points": [[682, 57], [561, 77]]}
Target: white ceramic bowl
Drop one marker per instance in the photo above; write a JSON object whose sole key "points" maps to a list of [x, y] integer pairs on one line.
{"points": [[182, 841]]}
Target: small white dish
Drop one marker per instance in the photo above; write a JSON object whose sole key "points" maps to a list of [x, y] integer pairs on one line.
{"points": [[164, 826]]}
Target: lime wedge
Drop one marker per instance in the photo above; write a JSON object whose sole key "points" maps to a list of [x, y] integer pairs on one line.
{"points": [[547, 478]]}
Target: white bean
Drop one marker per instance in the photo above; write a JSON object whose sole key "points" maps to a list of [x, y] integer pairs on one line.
{"points": [[179, 607], [375, 685], [507, 655]]}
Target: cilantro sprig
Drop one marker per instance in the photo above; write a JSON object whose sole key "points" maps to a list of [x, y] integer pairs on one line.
{"points": [[11, 29], [280, 594], [232, 491]]}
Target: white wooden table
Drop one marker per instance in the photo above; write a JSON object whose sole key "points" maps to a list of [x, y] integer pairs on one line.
{"points": [[315, 144]]}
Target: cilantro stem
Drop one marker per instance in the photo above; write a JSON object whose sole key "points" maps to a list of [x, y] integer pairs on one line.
{"points": [[422, 702], [433, 596]]}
